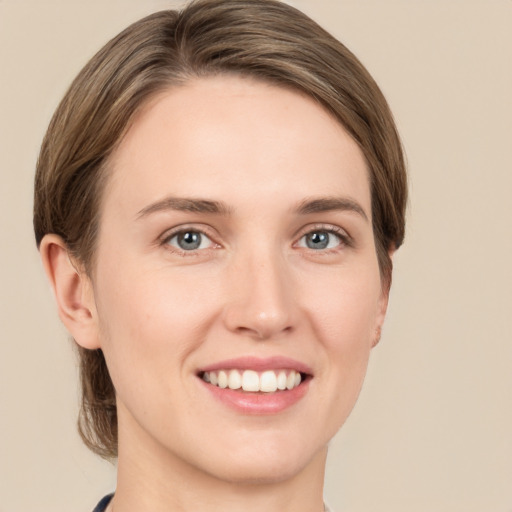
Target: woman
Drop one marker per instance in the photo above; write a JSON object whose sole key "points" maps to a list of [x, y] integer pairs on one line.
{"points": [[217, 202]]}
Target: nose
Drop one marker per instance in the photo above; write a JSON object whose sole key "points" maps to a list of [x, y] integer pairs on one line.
{"points": [[261, 302]]}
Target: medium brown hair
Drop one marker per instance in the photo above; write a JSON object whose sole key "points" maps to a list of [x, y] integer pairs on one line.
{"points": [[263, 39]]}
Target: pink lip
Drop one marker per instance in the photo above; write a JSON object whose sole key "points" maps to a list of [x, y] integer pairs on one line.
{"points": [[259, 364], [258, 403]]}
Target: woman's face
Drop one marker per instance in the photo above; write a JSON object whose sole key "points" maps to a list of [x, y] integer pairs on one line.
{"points": [[236, 246]]}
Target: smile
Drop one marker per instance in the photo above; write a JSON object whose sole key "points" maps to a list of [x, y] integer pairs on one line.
{"points": [[269, 381], [257, 386]]}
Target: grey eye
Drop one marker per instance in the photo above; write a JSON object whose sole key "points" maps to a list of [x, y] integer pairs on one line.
{"points": [[319, 240], [190, 240]]}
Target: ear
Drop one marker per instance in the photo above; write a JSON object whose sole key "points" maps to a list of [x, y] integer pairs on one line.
{"points": [[73, 292], [383, 301]]}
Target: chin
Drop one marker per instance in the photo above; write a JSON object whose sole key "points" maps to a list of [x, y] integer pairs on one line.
{"points": [[265, 464], [258, 473]]}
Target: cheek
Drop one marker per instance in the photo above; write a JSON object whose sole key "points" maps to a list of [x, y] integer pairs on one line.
{"points": [[150, 321], [344, 307], [150, 325], [344, 315], [148, 308]]}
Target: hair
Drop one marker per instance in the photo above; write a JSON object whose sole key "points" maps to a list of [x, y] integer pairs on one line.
{"points": [[262, 39]]}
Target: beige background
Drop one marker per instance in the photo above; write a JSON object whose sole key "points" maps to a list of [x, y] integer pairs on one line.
{"points": [[433, 428]]}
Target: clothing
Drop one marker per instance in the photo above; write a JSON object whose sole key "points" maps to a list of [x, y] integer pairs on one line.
{"points": [[102, 505]]}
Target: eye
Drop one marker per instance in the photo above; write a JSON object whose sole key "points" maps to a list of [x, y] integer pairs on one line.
{"points": [[321, 239], [189, 240]]}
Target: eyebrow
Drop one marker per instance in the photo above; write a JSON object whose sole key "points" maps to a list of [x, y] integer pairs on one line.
{"points": [[305, 207], [328, 204], [186, 205]]}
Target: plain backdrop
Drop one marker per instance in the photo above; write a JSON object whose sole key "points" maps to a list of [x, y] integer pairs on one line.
{"points": [[432, 431]]}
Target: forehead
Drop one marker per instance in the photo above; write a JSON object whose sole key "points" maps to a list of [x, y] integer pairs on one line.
{"points": [[223, 136]]}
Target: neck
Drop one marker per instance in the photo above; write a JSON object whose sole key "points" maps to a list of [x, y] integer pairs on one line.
{"points": [[151, 478]]}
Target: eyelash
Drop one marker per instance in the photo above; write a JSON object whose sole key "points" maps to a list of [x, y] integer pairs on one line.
{"points": [[167, 237], [344, 239]]}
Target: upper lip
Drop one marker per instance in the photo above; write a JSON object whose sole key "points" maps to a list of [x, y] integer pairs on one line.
{"points": [[258, 364]]}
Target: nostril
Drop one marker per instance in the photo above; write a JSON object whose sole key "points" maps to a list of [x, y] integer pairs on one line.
{"points": [[263, 305], [263, 332]]}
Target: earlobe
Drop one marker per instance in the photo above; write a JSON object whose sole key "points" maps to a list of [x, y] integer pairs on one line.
{"points": [[378, 334], [381, 316], [72, 290], [383, 302]]}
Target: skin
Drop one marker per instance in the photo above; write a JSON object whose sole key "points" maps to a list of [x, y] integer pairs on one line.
{"points": [[253, 288]]}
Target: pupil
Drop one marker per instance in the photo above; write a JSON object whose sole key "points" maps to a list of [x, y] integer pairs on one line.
{"points": [[189, 240], [318, 240]]}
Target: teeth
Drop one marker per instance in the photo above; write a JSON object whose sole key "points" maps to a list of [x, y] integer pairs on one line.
{"points": [[250, 381], [223, 379], [290, 380], [235, 380], [268, 381], [281, 380]]}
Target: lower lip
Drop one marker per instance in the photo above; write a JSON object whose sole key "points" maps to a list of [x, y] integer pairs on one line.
{"points": [[258, 403]]}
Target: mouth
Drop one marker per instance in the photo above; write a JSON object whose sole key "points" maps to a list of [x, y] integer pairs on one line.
{"points": [[252, 381], [255, 386]]}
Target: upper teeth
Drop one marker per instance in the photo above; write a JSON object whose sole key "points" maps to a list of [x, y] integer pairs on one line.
{"points": [[249, 380]]}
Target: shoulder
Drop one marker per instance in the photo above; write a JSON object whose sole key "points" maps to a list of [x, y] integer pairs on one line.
{"points": [[102, 505]]}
